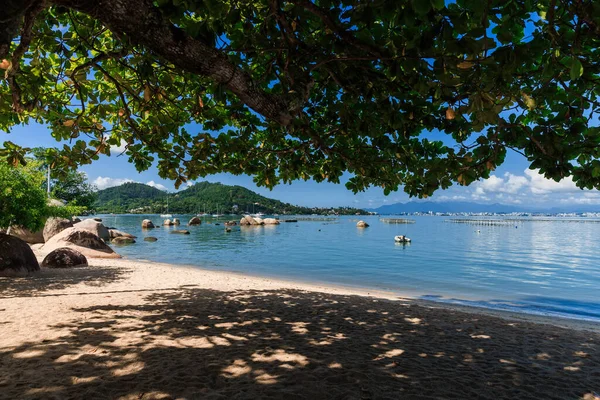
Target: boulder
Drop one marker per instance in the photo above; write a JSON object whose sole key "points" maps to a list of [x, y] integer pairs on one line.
{"points": [[230, 223], [147, 224], [195, 221], [248, 220], [259, 221], [150, 239], [27, 235], [271, 221], [16, 257], [97, 219], [84, 241], [181, 231], [64, 257], [227, 230], [75, 219], [362, 224], [95, 227], [114, 233], [176, 221], [54, 226], [167, 222], [123, 240]]}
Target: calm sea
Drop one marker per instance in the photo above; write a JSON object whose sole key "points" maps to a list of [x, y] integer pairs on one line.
{"points": [[549, 267]]}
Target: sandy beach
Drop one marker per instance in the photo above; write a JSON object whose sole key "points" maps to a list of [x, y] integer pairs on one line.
{"points": [[121, 329]]}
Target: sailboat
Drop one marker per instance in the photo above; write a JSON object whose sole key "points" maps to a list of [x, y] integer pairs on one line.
{"points": [[167, 215], [204, 214], [217, 215]]}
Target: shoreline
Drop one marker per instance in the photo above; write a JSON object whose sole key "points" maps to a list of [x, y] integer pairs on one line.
{"points": [[257, 280], [124, 329]]}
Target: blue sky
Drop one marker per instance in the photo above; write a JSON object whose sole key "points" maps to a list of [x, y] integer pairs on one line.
{"points": [[511, 183]]}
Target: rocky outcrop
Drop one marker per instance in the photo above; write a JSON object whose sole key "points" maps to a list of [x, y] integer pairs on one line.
{"points": [[64, 257], [147, 224], [16, 257], [259, 221], [27, 235], [114, 233], [230, 223], [168, 222], [54, 226], [176, 221], [362, 224], [181, 231], [150, 239], [95, 227], [271, 221], [81, 240], [123, 240], [248, 220], [194, 221]]}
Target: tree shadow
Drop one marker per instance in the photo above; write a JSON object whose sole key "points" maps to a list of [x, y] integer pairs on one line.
{"points": [[198, 343], [54, 279]]}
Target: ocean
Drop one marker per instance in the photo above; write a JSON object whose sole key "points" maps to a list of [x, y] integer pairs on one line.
{"points": [[545, 266]]}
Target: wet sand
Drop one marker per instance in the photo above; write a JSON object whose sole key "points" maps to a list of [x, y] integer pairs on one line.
{"points": [[135, 330]]}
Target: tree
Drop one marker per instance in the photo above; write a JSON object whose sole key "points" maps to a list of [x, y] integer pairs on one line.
{"points": [[22, 200], [73, 188], [299, 89]]}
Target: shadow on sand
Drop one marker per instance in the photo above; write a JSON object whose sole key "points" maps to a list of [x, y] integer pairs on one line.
{"points": [[205, 344]]}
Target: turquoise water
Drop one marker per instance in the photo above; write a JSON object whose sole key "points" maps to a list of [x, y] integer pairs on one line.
{"points": [[546, 267]]}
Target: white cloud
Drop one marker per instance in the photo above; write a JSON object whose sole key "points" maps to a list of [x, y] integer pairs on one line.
{"points": [[106, 182], [156, 185], [510, 184], [541, 185]]}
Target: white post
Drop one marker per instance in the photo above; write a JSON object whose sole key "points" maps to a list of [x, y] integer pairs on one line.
{"points": [[48, 180]]}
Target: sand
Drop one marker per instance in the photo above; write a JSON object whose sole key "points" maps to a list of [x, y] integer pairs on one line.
{"points": [[134, 330]]}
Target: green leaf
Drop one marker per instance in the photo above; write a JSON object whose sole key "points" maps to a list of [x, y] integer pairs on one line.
{"points": [[438, 4], [576, 69]]}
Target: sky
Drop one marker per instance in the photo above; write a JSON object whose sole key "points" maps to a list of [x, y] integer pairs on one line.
{"points": [[511, 183]]}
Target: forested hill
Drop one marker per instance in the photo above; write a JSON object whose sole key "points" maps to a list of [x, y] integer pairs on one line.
{"points": [[201, 197]]}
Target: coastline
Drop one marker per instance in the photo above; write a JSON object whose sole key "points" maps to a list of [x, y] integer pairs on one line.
{"points": [[261, 281], [133, 329]]}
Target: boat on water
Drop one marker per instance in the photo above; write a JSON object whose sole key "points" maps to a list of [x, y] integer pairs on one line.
{"points": [[401, 239], [167, 215]]}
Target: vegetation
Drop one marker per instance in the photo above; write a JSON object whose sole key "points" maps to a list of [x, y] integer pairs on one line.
{"points": [[23, 201], [201, 197], [73, 188], [299, 89]]}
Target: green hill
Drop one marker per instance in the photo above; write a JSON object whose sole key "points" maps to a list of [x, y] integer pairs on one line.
{"points": [[201, 197]]}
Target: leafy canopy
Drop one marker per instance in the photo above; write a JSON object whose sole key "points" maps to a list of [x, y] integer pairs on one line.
{"points": [[299, 89]]}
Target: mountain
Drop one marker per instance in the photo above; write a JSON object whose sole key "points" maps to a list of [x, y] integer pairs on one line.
{"points": [[201, 197], [446, 207]]}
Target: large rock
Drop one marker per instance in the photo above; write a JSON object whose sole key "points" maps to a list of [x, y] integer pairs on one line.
{"points": [[167, 222], [147, 224], [95, 227], [150, 239], [16, 257], [248, 220], [87, 243], [176, 221], [27, 235], [115, 233], [230, 223], [195, 221], [181, 231], [123, 240], [362, 224], [54, 226], [64, 257], [259, 221], [271, 221]]}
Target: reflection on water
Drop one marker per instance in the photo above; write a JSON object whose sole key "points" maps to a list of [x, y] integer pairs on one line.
{"points": [[539, 266]]}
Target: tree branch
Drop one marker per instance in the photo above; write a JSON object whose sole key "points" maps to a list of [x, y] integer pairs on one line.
{"points": [[144, 24]]}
